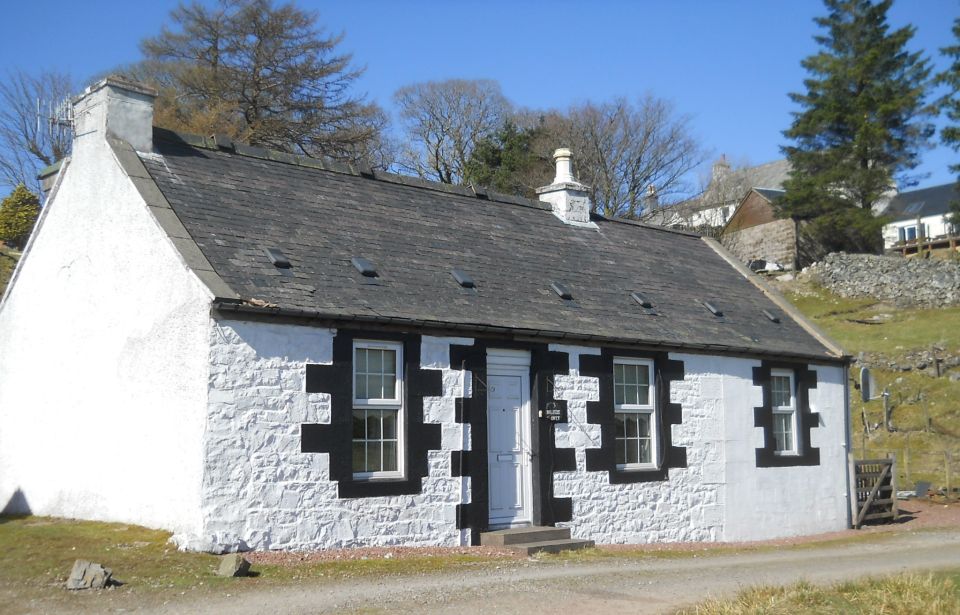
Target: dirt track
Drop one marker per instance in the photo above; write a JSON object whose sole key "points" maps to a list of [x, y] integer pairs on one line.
{"points": [[621, 585]]}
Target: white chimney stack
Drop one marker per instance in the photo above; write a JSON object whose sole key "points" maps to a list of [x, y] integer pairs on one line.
{"points": [[568, 198], [118, 108]]}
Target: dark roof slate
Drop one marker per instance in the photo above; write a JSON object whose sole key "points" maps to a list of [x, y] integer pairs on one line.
{"points": [[921, 203], [236, 206]]}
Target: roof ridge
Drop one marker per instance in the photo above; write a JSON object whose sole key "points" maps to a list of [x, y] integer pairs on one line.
{"points": [[226, 144], [652, 227]]}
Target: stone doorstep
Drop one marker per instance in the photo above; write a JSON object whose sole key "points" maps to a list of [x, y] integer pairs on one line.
{"points": [[530, 540]]}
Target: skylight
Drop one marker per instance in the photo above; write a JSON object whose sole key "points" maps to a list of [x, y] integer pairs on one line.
{"points": [[278, 258], [772, 316], [364, 266], [562, 290], [463, 278], [716, 311]]}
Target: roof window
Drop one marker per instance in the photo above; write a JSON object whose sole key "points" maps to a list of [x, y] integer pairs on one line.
{"points": [[772, 316], [562, 290], [278, 258], [463, 278], [716, 311], [364, 266]]}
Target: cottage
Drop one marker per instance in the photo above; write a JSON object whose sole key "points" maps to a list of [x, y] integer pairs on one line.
{"points": [[920, 219], [755, 233], [256, 350]]}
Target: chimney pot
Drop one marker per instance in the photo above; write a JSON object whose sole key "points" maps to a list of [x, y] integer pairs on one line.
{"points": [[568, 198]]}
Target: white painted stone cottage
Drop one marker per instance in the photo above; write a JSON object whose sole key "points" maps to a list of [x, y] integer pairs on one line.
{"points": [[255, 350]]}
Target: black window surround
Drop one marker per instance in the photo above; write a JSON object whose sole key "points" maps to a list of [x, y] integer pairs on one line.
{"points": [[602, 413], [804, 379], [336, 437]]}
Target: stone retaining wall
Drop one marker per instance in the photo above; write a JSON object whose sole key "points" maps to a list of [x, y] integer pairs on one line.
{"points": [[901, 281]]}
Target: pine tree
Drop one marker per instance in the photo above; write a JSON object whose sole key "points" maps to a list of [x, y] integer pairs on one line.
{"points": [[950, 104], [508, 162], [18, 214], [862, 124]]}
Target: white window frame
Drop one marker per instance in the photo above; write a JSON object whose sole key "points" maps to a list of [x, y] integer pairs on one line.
{"points": [[790, 409], [649, 408], [381, 404]]}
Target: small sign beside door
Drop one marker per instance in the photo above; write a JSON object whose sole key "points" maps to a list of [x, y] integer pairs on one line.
{"points": [[554, 412]]}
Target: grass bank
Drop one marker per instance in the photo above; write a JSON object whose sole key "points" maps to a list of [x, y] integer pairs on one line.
{"points": [[906, 594]]}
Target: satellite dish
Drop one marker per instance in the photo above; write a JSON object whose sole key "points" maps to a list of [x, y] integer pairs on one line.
{"points": [[866, 384]]}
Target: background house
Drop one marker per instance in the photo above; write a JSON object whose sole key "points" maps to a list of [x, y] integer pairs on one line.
{"points": [[920, 217], [714, 207], [258, 350], [755, 233]]}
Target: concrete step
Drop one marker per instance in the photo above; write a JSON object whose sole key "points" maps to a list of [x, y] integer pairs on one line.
{"points": [[550, 546], [523, 535]]}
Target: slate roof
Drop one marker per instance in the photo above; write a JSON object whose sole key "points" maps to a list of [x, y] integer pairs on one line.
{"points": [[770, 195], [922, 203], [235, 206]]}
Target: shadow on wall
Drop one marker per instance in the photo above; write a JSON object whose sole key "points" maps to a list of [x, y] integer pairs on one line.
{"points": [[17, 505]]}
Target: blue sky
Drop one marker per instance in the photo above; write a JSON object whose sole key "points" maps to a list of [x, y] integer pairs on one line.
{"points": [[727, 64]]}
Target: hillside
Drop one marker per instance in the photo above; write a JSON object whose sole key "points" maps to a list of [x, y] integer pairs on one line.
{"points": [[8, 260], [903, 347]]}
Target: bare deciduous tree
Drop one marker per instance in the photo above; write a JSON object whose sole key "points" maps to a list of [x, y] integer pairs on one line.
{"points": [[27, 141], [623, 148], [444, 120], [265, 75]]}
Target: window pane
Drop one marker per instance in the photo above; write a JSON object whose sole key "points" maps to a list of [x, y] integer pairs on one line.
{"points": [[621, 451], [644, 425], [632, 452], [643, 394], [643, 374], [389, 386], [618, 394], [390, 425], [373, 425], [361, 360], [783, 431], [632, 426], [389, 361], [359, 431], [374, 361], [631, 395], [374, 388], [360, 388], [389, 456], [645, 453], [619, 420], [617, 373], [780, 391], [359, 457], [373, 457]]}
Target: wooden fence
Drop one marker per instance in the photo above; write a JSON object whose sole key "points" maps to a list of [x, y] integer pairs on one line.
{"points": [[876, 487]]}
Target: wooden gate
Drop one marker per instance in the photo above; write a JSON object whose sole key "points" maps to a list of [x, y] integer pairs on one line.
{"points": [[876, 491]]}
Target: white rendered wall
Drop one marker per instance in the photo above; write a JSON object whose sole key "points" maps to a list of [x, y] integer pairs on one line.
{"points": [[103, 359], [721, 495], [934, 226], [261, 492], [776, 502], [687, 507]]}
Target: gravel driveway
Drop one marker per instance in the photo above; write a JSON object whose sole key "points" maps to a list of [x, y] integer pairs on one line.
{"points": [[653, 584]]}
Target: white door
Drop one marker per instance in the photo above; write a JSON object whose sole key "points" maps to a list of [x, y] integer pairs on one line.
{"points": [[508, 443]]}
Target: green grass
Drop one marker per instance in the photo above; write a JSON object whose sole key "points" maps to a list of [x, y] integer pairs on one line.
{"points": [[906, 594], [898, 330], [40, 551], [926, 409]]}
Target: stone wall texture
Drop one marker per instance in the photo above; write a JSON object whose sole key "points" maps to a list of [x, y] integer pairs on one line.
{"points": [[903, 282], [774, 242], [261, 492]]}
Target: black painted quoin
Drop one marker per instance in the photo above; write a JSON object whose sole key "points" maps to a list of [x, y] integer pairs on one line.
{"points": [[804, 379], [547, 459], [336, 437], [602, 413]]}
